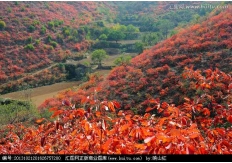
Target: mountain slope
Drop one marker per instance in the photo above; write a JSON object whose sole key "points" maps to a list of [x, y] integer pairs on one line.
{"points": [[156, 72], [38, 34], [197, 121]]}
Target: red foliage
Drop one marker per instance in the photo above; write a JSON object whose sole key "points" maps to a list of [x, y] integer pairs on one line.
{"points": [[99, 127]]}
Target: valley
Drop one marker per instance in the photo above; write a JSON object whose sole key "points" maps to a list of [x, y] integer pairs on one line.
{"points": [[116, 77]]}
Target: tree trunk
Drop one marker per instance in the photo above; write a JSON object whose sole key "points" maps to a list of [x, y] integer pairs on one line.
{"points": [[99, 64]]}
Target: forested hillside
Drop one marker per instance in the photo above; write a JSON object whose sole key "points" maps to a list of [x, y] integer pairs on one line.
{"points": [[44, 43], [157, 72], [36, 35]]}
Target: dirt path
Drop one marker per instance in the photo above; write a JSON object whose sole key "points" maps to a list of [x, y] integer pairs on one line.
{"points": [[39, 94]]}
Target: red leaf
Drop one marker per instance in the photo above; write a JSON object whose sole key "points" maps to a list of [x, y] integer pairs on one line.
{"points": [[111, 106], [89, 110], [230, 86], [97, 89], [84, 100], [184, 121], [124, 127], [153, 101], [80, 112], [98, 113], [53, 109], [116, 104], [120, 113], [191, 149], [128, 117], [57, 125], [164, 105], [56, 113], [149, 109], [74, 133], [42, 141], [136, 118], [39, 120], [194, 135], [66, 103], [206, 112], [169, 146], [221, 131], [187, 99], [140, 146], [149, 139], [229, 118], [106, 145], [103, 124], [71, 116]]}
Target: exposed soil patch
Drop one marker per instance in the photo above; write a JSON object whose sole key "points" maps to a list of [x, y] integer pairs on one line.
{"points": [[39, 94]]}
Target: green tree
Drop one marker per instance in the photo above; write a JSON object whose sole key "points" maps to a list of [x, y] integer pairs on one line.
{"points": [[139, 47], [122, 60], [151, 38], [131, 32], [102, 37], [196, 18], [173, 32], [164, 26], [116, 35], [98, 55]]}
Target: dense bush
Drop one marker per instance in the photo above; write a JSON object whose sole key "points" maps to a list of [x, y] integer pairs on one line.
{"points": [[12, 111], [2, 24], [54, 44], [31, 28], [29, 47], [43, 30]]}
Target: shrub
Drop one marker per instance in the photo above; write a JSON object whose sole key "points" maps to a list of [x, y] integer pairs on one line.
{"points": [[67, 32], [37, 42], [58, 22], [29, 47], [51, 25], [23, 9], [122, 60], [36, 22], [59, 38], [49, 39], [9, 10], [29, 40], [2, 24], [31, 28], [54, 44], [16, 111], [103, 37], [43, 30]]}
